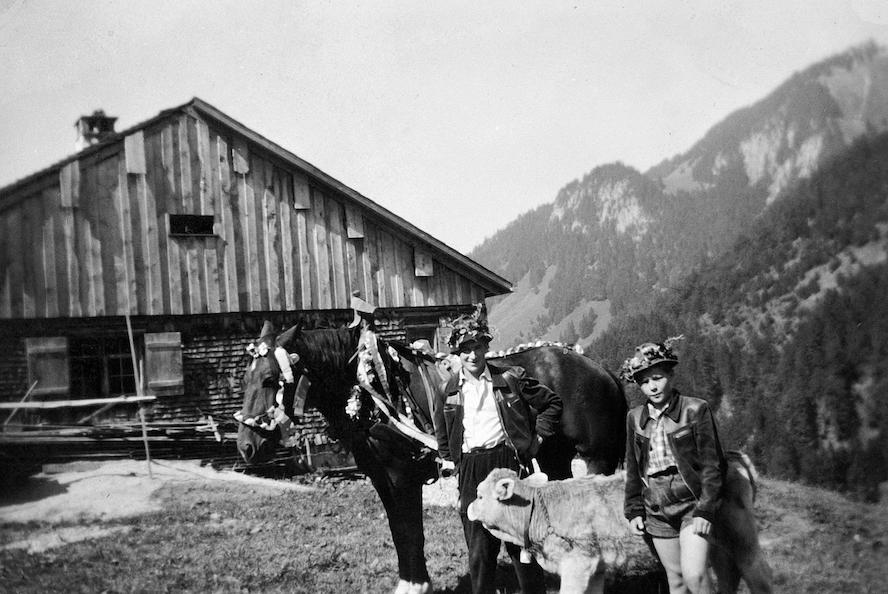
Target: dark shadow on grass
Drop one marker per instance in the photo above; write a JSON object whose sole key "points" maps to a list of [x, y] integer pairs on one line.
{"points": [[29, 489], [507, 583]]}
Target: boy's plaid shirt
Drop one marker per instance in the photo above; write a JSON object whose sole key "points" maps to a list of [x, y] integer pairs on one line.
{"points": [[660, 457]]}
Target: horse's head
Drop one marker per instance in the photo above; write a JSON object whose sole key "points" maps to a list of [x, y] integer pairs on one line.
{"points": [[257, 438], [259, 432]]}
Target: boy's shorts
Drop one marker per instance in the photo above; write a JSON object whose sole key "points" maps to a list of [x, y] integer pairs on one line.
{"points": [[668, 504]]}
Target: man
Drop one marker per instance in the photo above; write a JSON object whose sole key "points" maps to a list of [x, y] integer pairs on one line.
{"points": [[485, 422]]}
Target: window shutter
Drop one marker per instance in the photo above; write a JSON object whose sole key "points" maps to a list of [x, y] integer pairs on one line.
{"points": [[163, 363], [422, 263], [48, 365]]}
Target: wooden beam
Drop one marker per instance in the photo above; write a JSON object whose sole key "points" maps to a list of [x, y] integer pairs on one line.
{"points": [[75, 403], [240, 156], [283, 190], [169, 183], [69, 184], [134, 148], [225, 228], [355, 221]]}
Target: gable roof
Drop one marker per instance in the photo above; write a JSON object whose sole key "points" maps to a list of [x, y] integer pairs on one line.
{"points": [[492, 282]]}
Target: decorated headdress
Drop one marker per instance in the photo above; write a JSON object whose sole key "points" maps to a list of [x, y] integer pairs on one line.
{"points": [[468, 327], [362, 309], [647, 355]]}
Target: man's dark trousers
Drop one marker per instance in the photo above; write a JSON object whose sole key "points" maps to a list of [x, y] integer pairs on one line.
{"points": [[483, 546]]}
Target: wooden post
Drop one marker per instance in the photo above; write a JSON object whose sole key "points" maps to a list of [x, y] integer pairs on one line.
{"points": [[138, 378], [15, 410]]}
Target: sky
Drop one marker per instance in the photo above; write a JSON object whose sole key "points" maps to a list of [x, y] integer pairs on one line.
{"points": [[455, 115]]}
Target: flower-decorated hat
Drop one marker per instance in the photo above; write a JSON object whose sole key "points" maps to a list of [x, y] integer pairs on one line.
{"points": [[468, 327], [647, 355], [362, 309]]}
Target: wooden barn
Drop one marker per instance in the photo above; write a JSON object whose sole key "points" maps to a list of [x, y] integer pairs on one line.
{"points": [[197, 229]]}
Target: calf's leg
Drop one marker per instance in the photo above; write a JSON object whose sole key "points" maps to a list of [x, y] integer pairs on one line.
{"points": [[581, 575]]}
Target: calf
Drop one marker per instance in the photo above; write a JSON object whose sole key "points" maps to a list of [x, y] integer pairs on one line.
{"points": [[576, 529]]}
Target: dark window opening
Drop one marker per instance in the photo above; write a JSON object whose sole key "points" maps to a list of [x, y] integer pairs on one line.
{"points": [[415, 333], [101, 367], [201, 225]]}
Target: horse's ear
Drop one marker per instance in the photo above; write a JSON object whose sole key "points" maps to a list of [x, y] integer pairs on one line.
{"points": [[288, 335], [504, 488]]}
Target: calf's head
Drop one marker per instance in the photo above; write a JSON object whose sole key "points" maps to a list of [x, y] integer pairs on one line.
{"points": [[503, 505]]}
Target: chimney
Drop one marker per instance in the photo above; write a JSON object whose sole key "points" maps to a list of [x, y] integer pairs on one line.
{"points": [[93, 129]]}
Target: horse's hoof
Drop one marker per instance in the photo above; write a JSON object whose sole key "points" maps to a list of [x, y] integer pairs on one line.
{"points": [[405, 587]]}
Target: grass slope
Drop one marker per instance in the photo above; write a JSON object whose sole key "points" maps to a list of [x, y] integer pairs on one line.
{"points": [[230, 537]]}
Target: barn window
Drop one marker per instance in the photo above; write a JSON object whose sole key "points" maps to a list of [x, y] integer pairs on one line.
{"points": [[101, 367], [48, 365], [191, 225]]}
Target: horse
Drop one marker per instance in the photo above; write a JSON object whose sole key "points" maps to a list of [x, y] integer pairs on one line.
{"points": [[593, 425]]}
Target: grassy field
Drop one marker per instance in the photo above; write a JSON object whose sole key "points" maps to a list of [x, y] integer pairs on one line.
{"points": [[231, 537]]}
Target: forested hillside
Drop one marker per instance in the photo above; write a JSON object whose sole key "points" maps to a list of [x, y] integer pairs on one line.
{"points": [[786, 333]]}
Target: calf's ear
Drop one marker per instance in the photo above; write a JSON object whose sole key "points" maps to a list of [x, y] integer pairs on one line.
{"points": [[504, 488]]}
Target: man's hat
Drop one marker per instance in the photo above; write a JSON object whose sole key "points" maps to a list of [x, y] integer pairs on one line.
{"points": [[469, 327], [362, 310], [647, 355]]}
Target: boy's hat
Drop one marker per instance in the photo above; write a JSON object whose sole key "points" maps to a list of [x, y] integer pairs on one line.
{"points": [[468, 327], [647, 355], [362, 310]]}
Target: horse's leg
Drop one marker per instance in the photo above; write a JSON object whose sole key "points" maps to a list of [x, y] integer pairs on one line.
{"points": [[403, 508]]}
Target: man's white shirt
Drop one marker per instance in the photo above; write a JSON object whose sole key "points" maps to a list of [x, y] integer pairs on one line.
{"points": [[481, 420]]}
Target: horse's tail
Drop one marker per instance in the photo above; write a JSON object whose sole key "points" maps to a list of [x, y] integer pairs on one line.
{"points": [[741, 463], [622, 392]]}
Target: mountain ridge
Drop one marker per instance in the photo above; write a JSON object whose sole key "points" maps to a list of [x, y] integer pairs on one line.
{"points": [[621, 236]]}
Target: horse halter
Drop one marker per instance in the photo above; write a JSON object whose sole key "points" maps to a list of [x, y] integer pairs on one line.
{"points": [[269, 419]]}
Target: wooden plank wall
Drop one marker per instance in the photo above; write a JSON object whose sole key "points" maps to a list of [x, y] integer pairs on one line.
{"points": [[94, 240]]}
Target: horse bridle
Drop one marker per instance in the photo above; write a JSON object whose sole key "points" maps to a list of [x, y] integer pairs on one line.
{"points": [[265, 421]]}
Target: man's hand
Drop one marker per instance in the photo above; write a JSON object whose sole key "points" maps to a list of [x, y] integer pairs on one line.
{"points": [[448, 468], [636, 526], [702, 526]]}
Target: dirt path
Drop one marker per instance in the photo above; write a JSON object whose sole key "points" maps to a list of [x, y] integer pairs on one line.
{"points": [[87, 492], [84, 492]]}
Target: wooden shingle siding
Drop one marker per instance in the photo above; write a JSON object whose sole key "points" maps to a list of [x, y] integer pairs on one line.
{"points": [[92, 236]]}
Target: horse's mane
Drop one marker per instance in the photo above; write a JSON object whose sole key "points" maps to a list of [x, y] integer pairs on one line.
{"points": [[526, 346], [326, 349]]}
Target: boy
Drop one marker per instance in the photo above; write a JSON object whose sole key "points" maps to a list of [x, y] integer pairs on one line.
{"points": [[674, 469]]}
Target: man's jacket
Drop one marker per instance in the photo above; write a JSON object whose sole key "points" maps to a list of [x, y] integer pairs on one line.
{"points": [[693, 440], [526, 409]]}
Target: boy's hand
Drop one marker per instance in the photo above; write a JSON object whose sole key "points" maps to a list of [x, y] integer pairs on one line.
{"points": [[702, 526], [636, 526]]}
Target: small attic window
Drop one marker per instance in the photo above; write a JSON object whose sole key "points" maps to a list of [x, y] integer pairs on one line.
{"points": [[191, 225]]}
